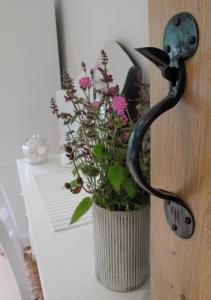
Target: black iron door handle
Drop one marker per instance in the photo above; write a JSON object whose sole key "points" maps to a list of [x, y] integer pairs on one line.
{"points": [[180, 43]]}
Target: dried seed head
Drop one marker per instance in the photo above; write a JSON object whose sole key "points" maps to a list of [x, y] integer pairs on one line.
{"points": [[76, 190], [83, 65], [104, 57], [67, 185]]}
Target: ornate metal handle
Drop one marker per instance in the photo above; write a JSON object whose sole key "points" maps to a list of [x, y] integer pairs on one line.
{"points": [[180, 41]]}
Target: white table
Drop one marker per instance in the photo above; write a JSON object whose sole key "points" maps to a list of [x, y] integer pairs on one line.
{"points": [[65, 259]]}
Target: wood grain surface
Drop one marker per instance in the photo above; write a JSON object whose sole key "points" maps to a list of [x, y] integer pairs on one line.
{"points": [[181, 163]]}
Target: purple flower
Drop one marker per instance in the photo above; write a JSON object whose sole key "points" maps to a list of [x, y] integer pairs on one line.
{"points": [[85, 82], [119, 105]]}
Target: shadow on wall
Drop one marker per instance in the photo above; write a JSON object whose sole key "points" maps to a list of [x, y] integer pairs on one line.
{"points": [[60, 34], [85, 26]]}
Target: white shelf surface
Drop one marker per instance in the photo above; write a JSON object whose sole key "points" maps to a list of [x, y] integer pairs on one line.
{"points": [[66, 258]]}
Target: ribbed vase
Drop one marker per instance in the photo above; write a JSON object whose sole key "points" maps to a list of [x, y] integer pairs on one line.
{"points": [[121, 241]]}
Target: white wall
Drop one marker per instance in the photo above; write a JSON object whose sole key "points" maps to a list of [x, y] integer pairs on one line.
{"points": [[84, 26], [29, 76]]}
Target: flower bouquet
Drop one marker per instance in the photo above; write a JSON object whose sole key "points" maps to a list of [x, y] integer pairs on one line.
{"points": [[98, 152]]}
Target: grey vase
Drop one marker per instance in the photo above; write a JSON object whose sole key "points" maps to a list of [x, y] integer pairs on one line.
{"points": [[121, 241]]}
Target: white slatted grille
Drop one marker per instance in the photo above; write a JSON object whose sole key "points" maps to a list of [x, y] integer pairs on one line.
{"points": [[59, 202]]}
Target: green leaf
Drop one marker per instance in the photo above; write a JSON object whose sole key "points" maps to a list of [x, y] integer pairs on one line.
{"points": [[73, 184], [73, 119], [89, 171], [74, 172], [115, 176], [120, 201], [99, 200], [122, 153], [99, 151], [81, 209], [129, 187]]}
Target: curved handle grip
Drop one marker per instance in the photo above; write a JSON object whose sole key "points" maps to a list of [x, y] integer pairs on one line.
{"points": [[176, 89], [178, 215], [180, 41]]}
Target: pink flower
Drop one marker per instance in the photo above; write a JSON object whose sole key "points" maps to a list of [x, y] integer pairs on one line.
{"points": [[96, 103], [119, 105], [96, 67], [85, 82], [124, 119]]}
